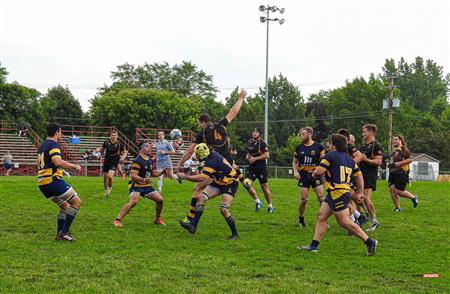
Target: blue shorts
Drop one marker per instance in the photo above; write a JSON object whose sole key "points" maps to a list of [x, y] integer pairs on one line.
{"points": [[339, 203], [306, 180], [225, 189], [163, 164], [143, 191], [54, 189], [7, 165]]}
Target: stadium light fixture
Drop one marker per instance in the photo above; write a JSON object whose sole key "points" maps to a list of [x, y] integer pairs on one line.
{"points": [[267, 9]]}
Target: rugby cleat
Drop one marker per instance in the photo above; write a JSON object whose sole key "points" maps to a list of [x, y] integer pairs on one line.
{"points": [[65, 237], [234, 237], [415, 201], [302, 224], [270, 209], [117, 223], [187, 226], [371, 248], [159, 221], [308, 248], [397, 209], [259, 205], [373, 227], [107, 194]]}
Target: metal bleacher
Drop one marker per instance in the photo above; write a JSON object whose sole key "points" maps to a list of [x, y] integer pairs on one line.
{"points": [[90, 138], [23, 149]]}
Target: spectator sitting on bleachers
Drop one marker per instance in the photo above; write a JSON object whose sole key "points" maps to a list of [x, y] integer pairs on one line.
{"points": [[23, 132]]}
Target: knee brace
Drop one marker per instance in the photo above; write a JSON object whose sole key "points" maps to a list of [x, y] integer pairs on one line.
{"points": [[204, 195], [224, 206]]}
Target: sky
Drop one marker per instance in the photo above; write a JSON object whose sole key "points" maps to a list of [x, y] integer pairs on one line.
{"points": [[321, 44]]}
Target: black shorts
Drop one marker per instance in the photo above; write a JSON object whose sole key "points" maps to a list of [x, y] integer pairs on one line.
{"points": [[338, 203], [370, 181], [110, 165], [259, 173], [306, 180], [225, 189], [399, 181]]}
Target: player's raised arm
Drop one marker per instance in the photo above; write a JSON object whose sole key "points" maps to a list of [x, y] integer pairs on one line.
{"points": [[236, 107]]}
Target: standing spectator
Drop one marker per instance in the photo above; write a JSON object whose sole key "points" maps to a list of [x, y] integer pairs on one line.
{"points": [[7, 163]]}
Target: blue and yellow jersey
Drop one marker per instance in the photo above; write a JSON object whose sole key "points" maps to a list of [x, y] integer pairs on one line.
{"points": [[339, 168], [47, 171], [218, 168], [308, 156], [142, 166]]}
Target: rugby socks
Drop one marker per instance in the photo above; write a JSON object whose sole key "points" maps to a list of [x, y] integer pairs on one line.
{"points": [[198, 214], [191, 213], [232, 225], [314, 244], [70, 216], [352, 218], [257, 200], [301, 219], [61, 220], [270, 205], [357, 214], [369, 241], [160, 183]]}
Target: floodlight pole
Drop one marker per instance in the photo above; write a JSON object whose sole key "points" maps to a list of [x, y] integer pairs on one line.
{"points": [[268, 8], [266, 99]]}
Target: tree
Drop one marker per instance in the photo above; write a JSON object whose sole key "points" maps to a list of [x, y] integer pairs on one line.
{"points": [[21, 104], [128, 109], [60, 105], [185, 79], [3, 74]]}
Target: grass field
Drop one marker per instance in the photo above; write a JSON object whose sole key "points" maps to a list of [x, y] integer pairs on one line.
{"points": [[145, 258]]}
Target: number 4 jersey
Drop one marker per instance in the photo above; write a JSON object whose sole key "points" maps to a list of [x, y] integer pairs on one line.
{"points": [[47, 171], [215, 135]]}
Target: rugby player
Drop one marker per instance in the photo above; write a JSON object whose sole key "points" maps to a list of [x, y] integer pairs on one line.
{"points": [[355, 154], [257, 153], [399, 161], [215, 136], [372, 156], [163, 163], [338, 169], [306, 158], [142, 169], [51, 184], [218, 177], [114, 153]]}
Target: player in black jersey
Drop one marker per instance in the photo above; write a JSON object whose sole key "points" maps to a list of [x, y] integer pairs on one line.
{"points": [[399, 161], [372, 156], [142, 169], [257, 153], [114, 153], [215, 136], [338, 169], [51, 184], [305, 160]]}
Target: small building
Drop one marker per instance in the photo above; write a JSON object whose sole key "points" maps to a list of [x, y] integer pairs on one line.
{"points": [[424, 167]]}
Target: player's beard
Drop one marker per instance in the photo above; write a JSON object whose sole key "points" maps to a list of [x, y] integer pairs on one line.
{"points": [[306, 140]]}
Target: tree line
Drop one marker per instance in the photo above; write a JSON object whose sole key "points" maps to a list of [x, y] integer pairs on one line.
{"points": [[159, 95]]}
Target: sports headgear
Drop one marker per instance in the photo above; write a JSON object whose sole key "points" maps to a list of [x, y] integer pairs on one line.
{"points": [[202, 151]]}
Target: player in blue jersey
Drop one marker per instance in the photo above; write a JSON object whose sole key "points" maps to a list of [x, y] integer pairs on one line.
{"points": [[142, 169], [51, 184], [218, 177], [306, 158], [163, 162], [338, 169]]}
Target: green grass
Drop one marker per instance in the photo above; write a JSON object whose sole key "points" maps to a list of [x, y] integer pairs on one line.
{"points": [[142, 257]]}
